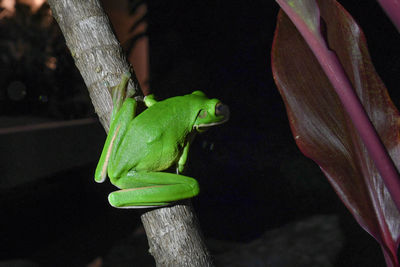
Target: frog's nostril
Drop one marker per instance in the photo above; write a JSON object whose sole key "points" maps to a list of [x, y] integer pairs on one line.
{"points": [[222, 110]]}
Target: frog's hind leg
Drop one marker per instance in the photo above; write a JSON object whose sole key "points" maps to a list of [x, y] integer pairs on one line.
{"points": [[149, 189], [120, 119]]}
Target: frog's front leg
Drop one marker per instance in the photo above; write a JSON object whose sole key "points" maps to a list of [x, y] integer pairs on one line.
{"points": [[149, 189], [182, 160]]}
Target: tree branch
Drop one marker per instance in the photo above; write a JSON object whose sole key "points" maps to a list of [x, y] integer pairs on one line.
{"points": [[173, 232], [175, 238], [96, 51]]}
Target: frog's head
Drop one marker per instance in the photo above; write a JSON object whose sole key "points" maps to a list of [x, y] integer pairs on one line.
{"points": [[211, 112]]}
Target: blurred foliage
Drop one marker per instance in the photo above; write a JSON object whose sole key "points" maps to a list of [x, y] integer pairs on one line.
{"points": [[38, 76], [133, 6]]}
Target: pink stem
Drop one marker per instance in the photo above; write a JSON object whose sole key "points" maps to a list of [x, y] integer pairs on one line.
{"points": [[392, 9]]}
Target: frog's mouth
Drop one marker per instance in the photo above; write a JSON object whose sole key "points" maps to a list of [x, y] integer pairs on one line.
{"points": [[221, 110]]}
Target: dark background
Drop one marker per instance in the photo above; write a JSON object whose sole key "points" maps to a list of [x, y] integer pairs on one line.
{"points": [[252, 176]]}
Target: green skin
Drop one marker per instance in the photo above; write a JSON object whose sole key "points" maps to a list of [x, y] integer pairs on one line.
{"points": [[137, 148]]}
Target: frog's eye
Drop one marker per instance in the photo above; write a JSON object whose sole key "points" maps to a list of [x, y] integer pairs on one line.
{"points": [[221, 110]]}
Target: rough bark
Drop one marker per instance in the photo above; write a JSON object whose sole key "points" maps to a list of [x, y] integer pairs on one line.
{"points": [[174, 237], [95, 49], [173, 232]]}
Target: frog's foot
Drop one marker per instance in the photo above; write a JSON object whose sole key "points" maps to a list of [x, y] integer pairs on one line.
{"points": [[152, 189]]}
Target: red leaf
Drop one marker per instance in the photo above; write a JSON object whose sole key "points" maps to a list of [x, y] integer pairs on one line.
{"points": [[323, 130]]}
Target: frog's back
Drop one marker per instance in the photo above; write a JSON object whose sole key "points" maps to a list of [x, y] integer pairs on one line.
{"points": [[155, 138]]}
